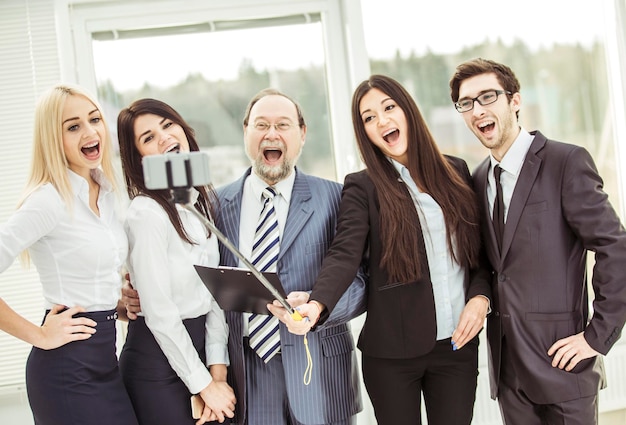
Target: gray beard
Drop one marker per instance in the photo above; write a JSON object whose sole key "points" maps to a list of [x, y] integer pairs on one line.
{"points": [[272, 174]]}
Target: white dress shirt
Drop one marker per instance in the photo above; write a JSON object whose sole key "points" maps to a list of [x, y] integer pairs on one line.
{"points": [[77, 253], [161, 269], [446, 276], [511, 166], [251, 206]]}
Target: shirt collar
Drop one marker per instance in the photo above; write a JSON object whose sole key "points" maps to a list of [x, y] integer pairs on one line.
{"points": [[514, 158], [284, 187], [80, 185], [401, 169], [405, 175]]}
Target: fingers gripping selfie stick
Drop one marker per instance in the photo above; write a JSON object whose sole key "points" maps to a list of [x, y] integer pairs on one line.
{"points": [[179, 173]]}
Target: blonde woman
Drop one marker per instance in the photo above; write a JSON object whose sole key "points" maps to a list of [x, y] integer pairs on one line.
{"points": [[66, 224]]}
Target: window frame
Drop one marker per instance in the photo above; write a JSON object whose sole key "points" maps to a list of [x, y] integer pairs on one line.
{"points": [[346, 62]]}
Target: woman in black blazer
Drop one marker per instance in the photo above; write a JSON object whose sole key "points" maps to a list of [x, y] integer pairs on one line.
{"points": [[413, 215]]}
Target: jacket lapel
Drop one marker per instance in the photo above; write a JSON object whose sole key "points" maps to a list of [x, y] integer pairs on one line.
{"points": [[230, 208], [300, 211], [525, 182]]}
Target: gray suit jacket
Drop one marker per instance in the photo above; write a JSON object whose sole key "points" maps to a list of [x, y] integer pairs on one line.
{"points": [[558, 212], [333, 393]]}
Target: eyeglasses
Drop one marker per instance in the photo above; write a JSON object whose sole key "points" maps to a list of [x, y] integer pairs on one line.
{"points": [[281, 127], [486, 98]]}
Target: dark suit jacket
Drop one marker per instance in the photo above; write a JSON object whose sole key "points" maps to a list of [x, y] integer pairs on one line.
{"points": [[400, 320], [558, 212], [333, 394]]}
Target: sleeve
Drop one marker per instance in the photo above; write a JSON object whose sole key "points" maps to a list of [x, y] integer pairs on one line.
{"points": [[341, 264], [352, 303], [147, 230], [480, 276], [589, 213], [480, 280], [216, 338], [37, 216]]}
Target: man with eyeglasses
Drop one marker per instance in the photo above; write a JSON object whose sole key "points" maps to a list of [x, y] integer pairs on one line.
{"points": [[270, 383], [273, 391], [543, 209]]}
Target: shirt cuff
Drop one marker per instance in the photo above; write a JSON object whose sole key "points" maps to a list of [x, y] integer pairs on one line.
{"points": [[197, 380], [217, 354]]}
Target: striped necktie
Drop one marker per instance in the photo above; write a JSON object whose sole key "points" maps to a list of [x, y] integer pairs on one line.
{"points": [[263, 329]]}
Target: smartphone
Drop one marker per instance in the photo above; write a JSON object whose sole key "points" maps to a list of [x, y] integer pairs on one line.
{"points": [[197, 406], [176, 170]]}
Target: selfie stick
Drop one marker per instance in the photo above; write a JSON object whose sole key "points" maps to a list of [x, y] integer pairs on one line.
{"points": [[181, 195]]}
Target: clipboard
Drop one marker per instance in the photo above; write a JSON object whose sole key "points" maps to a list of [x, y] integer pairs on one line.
{"points": [[237, 289]]}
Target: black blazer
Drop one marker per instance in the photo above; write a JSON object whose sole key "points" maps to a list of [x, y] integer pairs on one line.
{"points": [[558, 212], [400, 321]]}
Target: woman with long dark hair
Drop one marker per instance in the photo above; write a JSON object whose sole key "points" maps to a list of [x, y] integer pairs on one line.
{"points": [[181, 329], [413, 215]]}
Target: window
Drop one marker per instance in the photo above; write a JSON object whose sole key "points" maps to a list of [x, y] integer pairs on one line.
{"points": [[210, 87], [565, 91], [324, 44]]}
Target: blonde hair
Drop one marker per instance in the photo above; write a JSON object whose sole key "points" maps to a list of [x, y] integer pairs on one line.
{"points": [[48, 162]]}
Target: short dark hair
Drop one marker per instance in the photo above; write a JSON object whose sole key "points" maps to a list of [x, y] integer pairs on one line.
{"points": [[505, 75]]}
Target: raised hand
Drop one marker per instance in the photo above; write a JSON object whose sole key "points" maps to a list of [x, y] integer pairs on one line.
{"points": [[310, 313]]}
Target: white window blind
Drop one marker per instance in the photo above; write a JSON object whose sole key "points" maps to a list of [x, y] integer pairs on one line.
{"points": [[28, 66]]}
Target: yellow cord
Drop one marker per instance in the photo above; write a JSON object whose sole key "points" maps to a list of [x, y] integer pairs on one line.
{"points": [[309, 360], [309, 363]]}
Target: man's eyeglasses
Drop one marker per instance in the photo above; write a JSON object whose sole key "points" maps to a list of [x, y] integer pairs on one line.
{"points": [[486, 98], [281, 127]]}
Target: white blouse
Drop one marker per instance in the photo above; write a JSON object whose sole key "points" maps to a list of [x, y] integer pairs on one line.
{"points": [[161, 269], [78, 255]]}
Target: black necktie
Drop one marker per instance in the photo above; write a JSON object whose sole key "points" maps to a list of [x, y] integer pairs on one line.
{"points": [[498, 207]]}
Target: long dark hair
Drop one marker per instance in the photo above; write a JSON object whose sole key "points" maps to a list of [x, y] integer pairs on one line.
{"points": [[133, 171], [432, 173]]}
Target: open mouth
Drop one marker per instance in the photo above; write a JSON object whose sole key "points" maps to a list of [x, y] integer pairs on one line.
{"points": [[92, 150], [175, 148], [486, 126], [391, 136], [272, 154]]}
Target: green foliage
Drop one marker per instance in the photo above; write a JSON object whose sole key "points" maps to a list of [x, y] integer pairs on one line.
{"points": [[564, 92]]}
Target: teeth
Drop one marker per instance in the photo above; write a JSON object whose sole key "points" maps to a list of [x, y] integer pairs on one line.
{"points": [[387, 133], [92, 145], [485, 124]]}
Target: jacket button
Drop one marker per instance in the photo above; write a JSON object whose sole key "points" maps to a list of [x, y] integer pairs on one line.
{"points": [[501, 278]]}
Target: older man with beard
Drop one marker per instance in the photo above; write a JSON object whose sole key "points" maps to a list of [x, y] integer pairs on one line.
{"points": [[269, 386]]}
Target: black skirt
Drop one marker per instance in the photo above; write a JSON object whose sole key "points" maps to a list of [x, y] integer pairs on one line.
{"points": [[158, 395], [79, 383]]}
